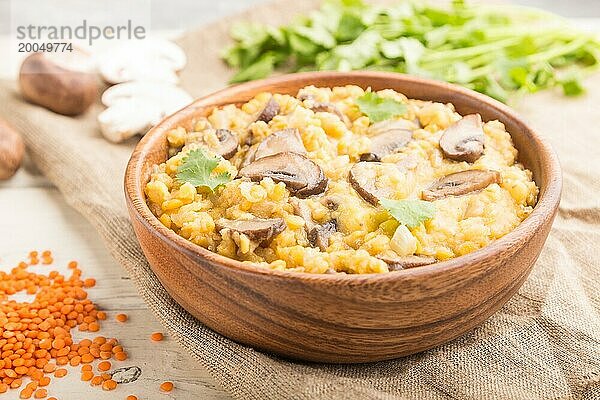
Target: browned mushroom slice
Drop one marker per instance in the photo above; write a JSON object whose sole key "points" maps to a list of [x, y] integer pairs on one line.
{"points": [[279, 142], [259, 230], [228, 143], [369, 157], [317, 234], [464, 140], [381, 127], [363, 177], [329, 108], [249, 156], [404, 262], [317, 106], [332, 201], [301, 176], [460, 183], [388, 137], [270, 111]]}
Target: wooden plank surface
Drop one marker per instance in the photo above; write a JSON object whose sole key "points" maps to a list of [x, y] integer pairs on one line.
{"points": [[43, 221]]}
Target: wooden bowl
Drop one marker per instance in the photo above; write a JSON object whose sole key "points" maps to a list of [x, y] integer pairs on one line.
{"points": [[345, 318]]}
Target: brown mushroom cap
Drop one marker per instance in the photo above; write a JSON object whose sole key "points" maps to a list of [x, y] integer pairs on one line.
{"points": [[279, 142], [259, 230], [464, 140], [56, 86], [404, 262], [228, 143], [460, 183], [363, 177], [12, 149], [301, 175], [270, 111]]}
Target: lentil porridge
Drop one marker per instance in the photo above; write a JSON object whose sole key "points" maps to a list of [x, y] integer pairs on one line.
{"points": [[341, 180]]}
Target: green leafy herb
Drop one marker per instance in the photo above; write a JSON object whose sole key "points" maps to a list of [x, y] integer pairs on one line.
{"points": [[197, 168], [379, 108], [409, 212], [501, 51]]}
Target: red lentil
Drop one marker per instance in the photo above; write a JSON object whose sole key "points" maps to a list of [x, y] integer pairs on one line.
{"points": [[166, 386], [36, 336]]}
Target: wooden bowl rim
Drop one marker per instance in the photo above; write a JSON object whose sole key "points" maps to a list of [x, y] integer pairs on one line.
{"points": [[542, 214]]}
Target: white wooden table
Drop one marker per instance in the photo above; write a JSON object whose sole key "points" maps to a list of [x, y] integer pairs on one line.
{"points": [[36, 217]]}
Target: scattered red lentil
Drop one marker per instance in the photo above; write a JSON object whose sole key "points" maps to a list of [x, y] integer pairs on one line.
{"points": [[131, 397], [87, 376], [104, 366], [157, 336], [121, 317], [36, 336], [166, 386], [109, 385], [96, 380]]}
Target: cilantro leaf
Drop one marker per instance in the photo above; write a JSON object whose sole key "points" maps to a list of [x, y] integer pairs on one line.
{"points": [[572, 86], [409, 212], [379, 108], [197, 168], [261, 68]]}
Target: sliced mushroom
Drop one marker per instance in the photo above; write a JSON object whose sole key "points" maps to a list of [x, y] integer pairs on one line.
{"points": [[331, 201], [404, 262], [134, 107], [387, 137], [330, 108], [369, 157], [228, 143], [270, 111], [150, 60], [382, 127], [301, 176], [363, 178], [259, 230], [249, 156], [317, 234], [317, 106], [279, 142], [464, 140], [460, 183]]}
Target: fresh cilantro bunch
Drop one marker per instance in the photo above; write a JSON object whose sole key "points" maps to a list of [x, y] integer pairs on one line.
{"points": [[497, 50], [197, 168]]}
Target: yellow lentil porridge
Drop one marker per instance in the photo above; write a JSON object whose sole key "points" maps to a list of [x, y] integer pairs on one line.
{"points": [[341, 180]]}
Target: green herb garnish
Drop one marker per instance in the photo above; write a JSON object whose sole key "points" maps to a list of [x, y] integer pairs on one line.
{"points": [[197, 168], [497, 50], [409, 212], [379, 108]]}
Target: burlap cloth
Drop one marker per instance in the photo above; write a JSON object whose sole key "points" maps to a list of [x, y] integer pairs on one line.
{"points": [[544, 344]]}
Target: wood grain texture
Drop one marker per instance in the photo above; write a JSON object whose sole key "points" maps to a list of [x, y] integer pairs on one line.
{"points": [[58, 227], [345, 318]]}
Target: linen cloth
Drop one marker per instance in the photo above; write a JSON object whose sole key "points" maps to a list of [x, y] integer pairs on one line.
{"points": [[544, 344]]}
